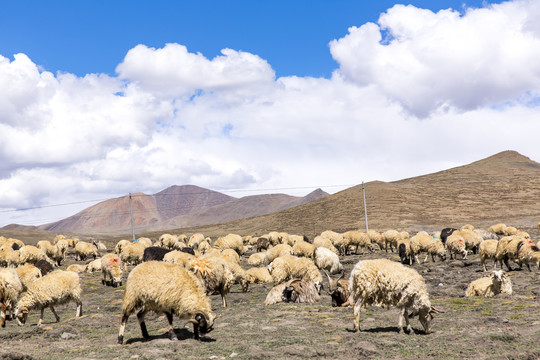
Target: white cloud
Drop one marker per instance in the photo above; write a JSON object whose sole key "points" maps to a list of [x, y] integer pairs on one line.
{"points": [[443, 92], [434, 61]]}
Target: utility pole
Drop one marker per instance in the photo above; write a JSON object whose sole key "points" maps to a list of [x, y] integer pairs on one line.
{"points": [[131, 212], [365, 208]]}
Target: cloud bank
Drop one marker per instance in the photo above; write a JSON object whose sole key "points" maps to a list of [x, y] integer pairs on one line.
{"points": [[414, 93]]}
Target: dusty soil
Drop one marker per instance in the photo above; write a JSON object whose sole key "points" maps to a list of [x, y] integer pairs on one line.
{"points": [[503, 327]]}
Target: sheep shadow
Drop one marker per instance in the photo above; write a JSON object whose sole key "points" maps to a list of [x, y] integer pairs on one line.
{"points": [[387, 329], [181, 334]]}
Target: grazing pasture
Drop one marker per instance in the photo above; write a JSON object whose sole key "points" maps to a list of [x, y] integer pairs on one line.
{"points": [[501, 327]]}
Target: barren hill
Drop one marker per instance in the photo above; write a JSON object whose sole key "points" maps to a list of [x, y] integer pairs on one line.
{"points": [[502, 188]]}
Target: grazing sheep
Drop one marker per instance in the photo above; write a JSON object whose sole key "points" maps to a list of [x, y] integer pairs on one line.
{"points": [[426, 243], [320, 241], [262, 244], [256, 259], [376, 238], [333, 236], [178, 258], [94, 265], [510, 230], [259, 275], [325, 259], [154, 253], [273, 238], [490, 286], [9, 257], [132, 254], [303, 248], [390, 238], [486, 235], [215, 274], [455, 244], [30, 254], [357, 239], [166, 288], [295, 290], [232, 255], [195, 240], [183, 239], [120, 245], [277, 251], [27, 274], [144, 241], [384, 282], [168, 241], [338, 289], [231, 241], [472, 239], [527, 253], [111, 266], [488, 250], [507, 248], [84, 250], [76, 268], [204, 246], [404, 250], [55, 252], [284, 238], [55, 288], [499, 229], [291, 267], [10, 288], [295, 238], [239, 274]]}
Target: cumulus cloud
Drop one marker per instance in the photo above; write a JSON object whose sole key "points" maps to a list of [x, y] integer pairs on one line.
{"points": [[446, 60], [415, 93]]}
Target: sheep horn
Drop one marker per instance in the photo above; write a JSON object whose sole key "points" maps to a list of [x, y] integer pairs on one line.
{"points": [[436, 311]]}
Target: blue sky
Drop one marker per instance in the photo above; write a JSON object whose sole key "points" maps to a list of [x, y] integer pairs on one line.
{"points": [[84, 37], [99, 99]]}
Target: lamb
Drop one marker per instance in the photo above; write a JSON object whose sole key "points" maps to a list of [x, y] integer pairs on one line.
{"points": [[178, 258], [84, 250], [215, 274], [259, 275], [297, 291], [154, 253], [170, 289], [490, 286], [277, 251], [338, 289], [111, 266], [231, 241], [291, 267], [455, 244], [358, 239], [425, 243], [391, 238], [488, 250], [31, 254], [385, 282], [303, 248], [55, 288], [27, 274], [10, 288], [256, 259], [325, 259], [324, 242]]}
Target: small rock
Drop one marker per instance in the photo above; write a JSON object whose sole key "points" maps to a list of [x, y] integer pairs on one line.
{"points": [[505, 321], [440, 285], [67, 336], [233, 355], [213, 357]]}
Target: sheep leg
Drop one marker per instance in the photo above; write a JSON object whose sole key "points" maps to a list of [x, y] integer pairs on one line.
{"points": [[357, 315], [223, 299], [2, 315], [122, 328], [507, 264], [172, 334], [41, 317], [483, 261], [79, 309], [55, 314], [140, 317]]}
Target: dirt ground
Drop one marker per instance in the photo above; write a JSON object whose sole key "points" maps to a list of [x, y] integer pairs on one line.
{"points": [[503, 327]]}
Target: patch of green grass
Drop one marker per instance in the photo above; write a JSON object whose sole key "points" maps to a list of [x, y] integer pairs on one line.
{"points": [[517, 316], [506, 338]]}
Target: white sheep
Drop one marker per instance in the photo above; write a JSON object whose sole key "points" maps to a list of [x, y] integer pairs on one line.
{"points": [[357, 239], [231, 241], [94, 266], [256, 259], [324, 242], [55, 288], [56, 252], [231, 254], [111, 266], [259, 275], [132, 254], [178, 258], [325, 259], [497, 283], [84, 250], [291, 267], [78, 268], [390, 238], [499, 229], [507, 249], [303, 248], [195, 240], [31, 255], [215, 274], [119, 245], [276, 251], [376, 238], [9, 257], [426, 243], [27, 274], [295, 290], [383, 282], [455, 244], [166, 288], [472, 239], [10, 288], [488, 250], [168, 241]]}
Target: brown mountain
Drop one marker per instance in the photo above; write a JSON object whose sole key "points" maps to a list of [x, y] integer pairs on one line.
{"points": [[501, 188], [245, 207]]}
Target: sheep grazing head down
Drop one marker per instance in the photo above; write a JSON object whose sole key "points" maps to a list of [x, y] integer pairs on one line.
{"points": [[338, 293], [202, 324], [425, 316], [21, 315]]}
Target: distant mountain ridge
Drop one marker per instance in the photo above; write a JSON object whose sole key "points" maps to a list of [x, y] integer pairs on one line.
{"points": [[186, 205]]}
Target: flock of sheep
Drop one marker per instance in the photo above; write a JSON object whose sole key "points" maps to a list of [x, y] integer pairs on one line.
{"points": [[176, 273]]}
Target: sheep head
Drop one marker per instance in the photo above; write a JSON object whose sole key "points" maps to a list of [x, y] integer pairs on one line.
{"points": [[425, 316], [21, 315], [202, 323], [337, 293]]}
